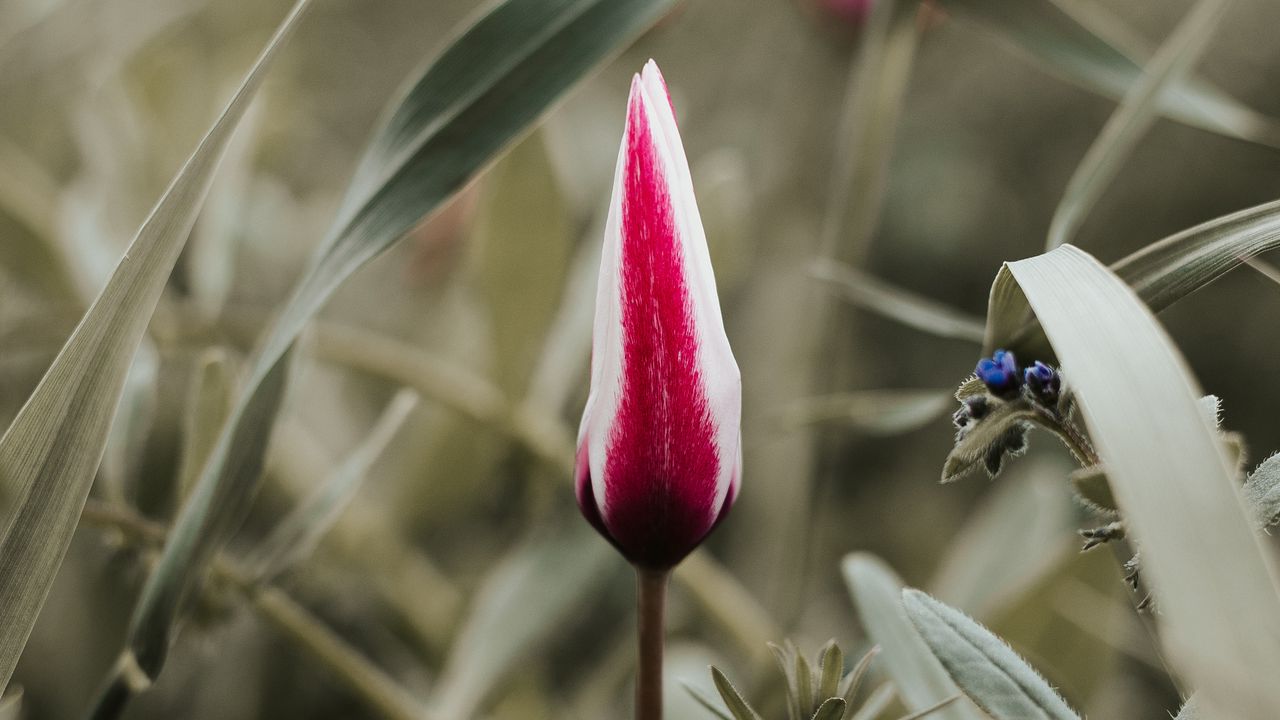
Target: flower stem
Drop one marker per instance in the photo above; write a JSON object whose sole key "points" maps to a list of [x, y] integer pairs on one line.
{"points": [[651, 599]]}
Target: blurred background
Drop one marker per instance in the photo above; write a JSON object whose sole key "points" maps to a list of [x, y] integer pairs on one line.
{"points": [[462, 567]]}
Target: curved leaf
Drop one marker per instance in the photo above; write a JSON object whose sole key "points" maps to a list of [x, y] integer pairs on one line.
{"points": [[987, 669], [521, 604], [920, 678], [1056, 33], [299, 532], [1173, 479], [489, 85], [1131, 120], [49, 454], [1161, 273]]}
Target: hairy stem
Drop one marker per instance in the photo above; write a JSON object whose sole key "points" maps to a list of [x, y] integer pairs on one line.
{"points": [[651, 600]]}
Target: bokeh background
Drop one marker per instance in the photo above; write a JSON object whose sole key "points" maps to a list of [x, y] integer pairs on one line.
{"points": [[101, 101]]}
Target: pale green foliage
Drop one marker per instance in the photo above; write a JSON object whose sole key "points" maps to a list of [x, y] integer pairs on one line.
{"points": [[1136, 113], [1262, 491], [1059, 34], [920, 679], [988, 671], [1171, 475], [49, 454]]}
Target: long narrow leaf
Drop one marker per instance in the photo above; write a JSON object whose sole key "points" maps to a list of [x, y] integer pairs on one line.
{"points": [[920, 678], [876, 88], [49, 454], [1054, 33], [1131, 120], [300, 531], [1213, 580], [987, 669], [910, 309], [1161, 273], [207, 519], [488, 86], [521, 604]]}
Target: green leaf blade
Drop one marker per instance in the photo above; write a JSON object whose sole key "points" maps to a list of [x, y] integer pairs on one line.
{"points": [[1071, 46], [1171, 476], [987, 669], [49, 454], [1138, 110], [920, 679]]}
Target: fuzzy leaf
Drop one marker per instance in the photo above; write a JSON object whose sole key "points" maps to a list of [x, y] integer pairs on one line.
{"points": [[50, 453], [971, 387], [1262, 491], [988, 671], [992, 431], [920, 679], [1093, 487], [702, 698], [830, 709], [1189, 710], [1172, 479], [740, 708], [830, 669]]}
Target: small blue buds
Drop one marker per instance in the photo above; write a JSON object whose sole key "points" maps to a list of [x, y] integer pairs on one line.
{"points": [[1044, 383], [1000, 374]]}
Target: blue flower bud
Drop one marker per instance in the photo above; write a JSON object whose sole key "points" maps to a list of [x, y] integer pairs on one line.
{"points": [[1000, 374], [1044, 382]]}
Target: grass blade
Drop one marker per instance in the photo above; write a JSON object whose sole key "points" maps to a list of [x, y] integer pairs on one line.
{"points": [[875, 412], [208, 404], [531, 594], [49, 454], [487, 87], [987, 669], [493, 82], [873, 103], [876, 703], [920, 679], [1161, 273], [1054, 33], [733, 699], [703, 699], [206, 521], [1138, 110], [1022, 531], [1212, 578], [299, 533], [871, 293]]}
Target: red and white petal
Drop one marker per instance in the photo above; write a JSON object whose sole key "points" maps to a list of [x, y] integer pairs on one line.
{"points": [[659, 437]]}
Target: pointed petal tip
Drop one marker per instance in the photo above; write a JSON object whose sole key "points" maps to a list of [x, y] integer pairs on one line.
{"points": [[655, 82]]}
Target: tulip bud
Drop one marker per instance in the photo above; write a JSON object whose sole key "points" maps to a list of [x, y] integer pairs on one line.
{"points": [[658, 460]]}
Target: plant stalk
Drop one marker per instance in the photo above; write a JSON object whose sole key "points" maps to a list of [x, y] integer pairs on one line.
{"points": [[651, 601]]}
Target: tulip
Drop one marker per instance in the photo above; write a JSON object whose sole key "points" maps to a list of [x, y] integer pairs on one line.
{"points": [[659, 461]]}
